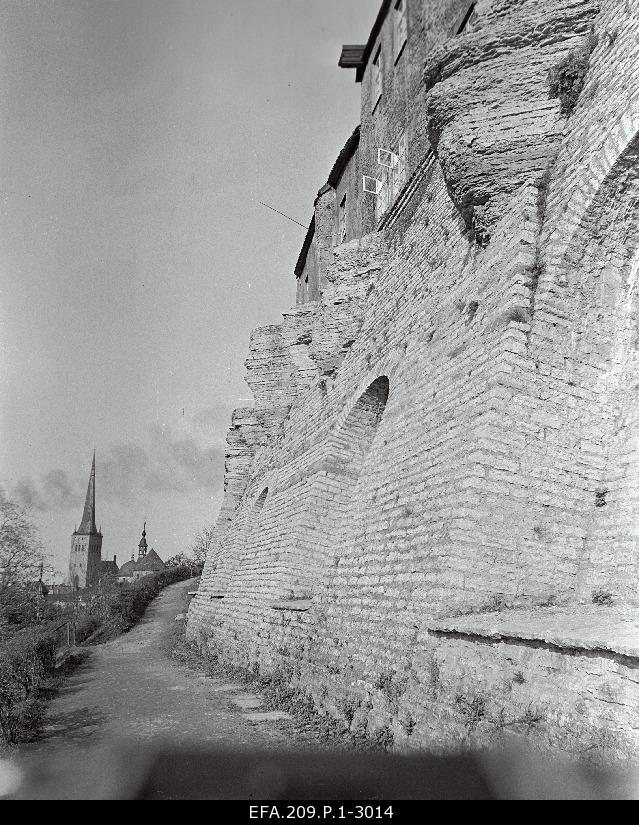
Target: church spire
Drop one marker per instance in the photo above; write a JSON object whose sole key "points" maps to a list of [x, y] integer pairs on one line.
{"points": [[87, 526], [142, 546]]}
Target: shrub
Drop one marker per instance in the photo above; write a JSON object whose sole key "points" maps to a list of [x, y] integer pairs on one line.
{"points": [[392, 688], [472, 709], [567, 78], [85, 626], [601, 597], [384, 738], [27, 658]]}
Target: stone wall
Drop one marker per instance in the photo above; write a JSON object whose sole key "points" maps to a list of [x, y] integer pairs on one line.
{"points": [[449, 431]]}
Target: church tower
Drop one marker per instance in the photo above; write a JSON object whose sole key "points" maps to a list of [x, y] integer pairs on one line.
{"points": [[85, 560], [142, 546]]}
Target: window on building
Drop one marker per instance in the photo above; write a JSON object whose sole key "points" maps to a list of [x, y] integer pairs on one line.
{"points": [[341, 221], [398, 172], [393, 176], [377, 78], [400, 28]]}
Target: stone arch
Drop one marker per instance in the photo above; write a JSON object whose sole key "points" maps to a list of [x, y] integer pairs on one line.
{"points": [[600, 211], [286, 547], [566, 219], [351, 441], [589, 307], [351, 447], [326, 494], [238, 543], [593, 268], [611, 557]]}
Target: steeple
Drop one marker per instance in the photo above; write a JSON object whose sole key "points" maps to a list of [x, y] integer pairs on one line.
{"points": [[87, 525], [142, 546]]}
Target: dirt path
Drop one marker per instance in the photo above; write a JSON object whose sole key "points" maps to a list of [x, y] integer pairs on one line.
{"points": [[131, 688]]}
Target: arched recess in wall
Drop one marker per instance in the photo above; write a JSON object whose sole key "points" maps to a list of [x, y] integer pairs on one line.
{"points": [[613, 547], [325, 500], [350, 444], [564, 227], [597, 292], [242, 538]]}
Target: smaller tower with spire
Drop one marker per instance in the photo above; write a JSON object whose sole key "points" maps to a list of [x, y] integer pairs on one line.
{"points": [[142, 546], [85, 561]]}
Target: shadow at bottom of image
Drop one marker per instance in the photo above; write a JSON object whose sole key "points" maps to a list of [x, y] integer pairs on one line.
{"points": [[124, 769]]}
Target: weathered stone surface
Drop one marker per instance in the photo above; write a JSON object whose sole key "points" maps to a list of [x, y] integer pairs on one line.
{"points": [[599, 629], [446, 438], [490, 119], [267, 716], [247, 701]]}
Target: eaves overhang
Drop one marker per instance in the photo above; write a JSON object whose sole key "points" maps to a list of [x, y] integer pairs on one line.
{"points": [[357, 57]]}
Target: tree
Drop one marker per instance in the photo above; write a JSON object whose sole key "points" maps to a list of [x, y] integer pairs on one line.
{"points": [[202, 543], [21, 552], [178, 560], [185, 561], [195, 556], [22, 559]]}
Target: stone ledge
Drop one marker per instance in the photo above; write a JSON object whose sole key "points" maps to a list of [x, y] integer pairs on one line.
{"points": [[582, 628], [299, 605], [267, 716]]}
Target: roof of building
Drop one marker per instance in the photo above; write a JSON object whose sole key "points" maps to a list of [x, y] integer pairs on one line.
{"points": [[348, 150], [87, 525], [308, 240], [109, 568], [150, 562], [127, 568], [356, 57]]}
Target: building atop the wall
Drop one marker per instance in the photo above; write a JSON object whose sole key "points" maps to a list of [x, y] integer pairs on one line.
{"points": [[86, 566], [147, 562]]}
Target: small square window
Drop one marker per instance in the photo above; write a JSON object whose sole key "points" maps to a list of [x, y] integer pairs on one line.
{"points": [[400, 28]]}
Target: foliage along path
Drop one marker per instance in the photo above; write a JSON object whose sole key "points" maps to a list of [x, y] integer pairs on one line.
{"points": [[131, 688]]}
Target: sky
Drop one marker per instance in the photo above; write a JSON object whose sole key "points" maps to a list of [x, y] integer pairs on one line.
{"points": [[137, 138]]}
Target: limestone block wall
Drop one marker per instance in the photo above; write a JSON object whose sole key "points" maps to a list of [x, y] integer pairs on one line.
{"points": [[578, 357], [590, 240], [450, 431], [486, 687]]}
